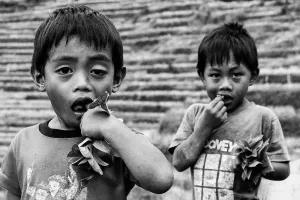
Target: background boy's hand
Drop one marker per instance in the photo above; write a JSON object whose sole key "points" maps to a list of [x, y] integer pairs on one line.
{"points": [[95, 123], [215, 113]]}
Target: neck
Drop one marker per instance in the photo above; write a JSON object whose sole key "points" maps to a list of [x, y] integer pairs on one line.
{"points": [[56, 123], [240, 106]]}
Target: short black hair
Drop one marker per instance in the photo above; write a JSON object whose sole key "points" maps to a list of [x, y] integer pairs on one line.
{"points": [[216, 46], [89, 25]]}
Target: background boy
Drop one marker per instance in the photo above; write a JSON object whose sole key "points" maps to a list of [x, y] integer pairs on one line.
{"points": [[78, 55], [227, 65]]}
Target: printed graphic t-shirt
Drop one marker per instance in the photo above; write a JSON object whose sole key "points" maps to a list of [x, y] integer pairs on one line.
{"points": [[36, 167], [212, 174]]}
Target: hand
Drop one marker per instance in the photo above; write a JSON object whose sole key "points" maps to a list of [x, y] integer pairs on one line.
{"points": [[215, 113], [96, 123]]}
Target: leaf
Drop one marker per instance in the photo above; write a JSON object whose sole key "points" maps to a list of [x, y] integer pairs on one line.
{"points": [[237, 150], [255, 163], [255, 178], [249, 172], [244, 174], [83, 161], [78, 161], [264, 147], [242, 143], [86, 152], [85, 142], [255, 140], [95, 166], [74, 152], [100, 162], [253, 157], [101, 101], [101, 145]]}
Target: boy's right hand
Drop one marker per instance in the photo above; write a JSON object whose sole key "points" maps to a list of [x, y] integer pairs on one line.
{"points": [[214, 113]]}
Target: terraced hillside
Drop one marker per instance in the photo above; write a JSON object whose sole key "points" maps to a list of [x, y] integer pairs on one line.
{"points": [[160, 40]]}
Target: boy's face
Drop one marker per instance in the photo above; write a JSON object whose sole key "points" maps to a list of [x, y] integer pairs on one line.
{"points": [[229, 80], [74, 75]]}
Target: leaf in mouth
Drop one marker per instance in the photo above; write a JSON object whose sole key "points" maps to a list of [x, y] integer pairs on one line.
{"points": [[85, 151]]}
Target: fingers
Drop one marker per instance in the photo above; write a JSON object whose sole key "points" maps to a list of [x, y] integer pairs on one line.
{"points": [[216, 100], [217, 109], [217, 104], [224, 116]]}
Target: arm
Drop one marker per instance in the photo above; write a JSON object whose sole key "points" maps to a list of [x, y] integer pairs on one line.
{"points": [[146, 163], [9, 196], [277, 151], [281, 171], [187, 153]]}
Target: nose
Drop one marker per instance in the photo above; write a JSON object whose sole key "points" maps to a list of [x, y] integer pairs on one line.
{"points": [[81, 82], [226, 84]]}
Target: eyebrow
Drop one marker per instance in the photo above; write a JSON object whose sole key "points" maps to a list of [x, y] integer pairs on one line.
{"points": [[98, 57], [64, 58], [231, 68]]}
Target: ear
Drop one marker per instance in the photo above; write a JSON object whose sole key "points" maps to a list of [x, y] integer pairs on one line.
{"points": [[39, 80], [254, 76], [118, 79], [201, 75]]}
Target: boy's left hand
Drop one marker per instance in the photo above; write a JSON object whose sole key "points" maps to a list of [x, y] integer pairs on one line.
{"points": [[96, 123]]}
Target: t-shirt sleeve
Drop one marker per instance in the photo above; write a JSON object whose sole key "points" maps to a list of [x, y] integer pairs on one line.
{"points": [[8, 173], [277, 150], [185, 129]]}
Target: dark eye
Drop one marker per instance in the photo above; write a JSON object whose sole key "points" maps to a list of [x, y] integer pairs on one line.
{"points": [[98, 72], [237, 75], [214, 75], [64, 70]]}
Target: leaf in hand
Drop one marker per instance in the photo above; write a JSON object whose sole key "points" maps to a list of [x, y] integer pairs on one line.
{"points": [[85, 151], [75, 152], [102, 102], [253, 157]]}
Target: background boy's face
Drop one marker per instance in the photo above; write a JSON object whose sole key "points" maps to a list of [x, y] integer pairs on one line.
{"points": [[74, 75], [229, 80]]}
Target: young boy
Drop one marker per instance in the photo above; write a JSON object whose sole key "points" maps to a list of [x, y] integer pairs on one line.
{"points": [[227, 65], [78, 55]]}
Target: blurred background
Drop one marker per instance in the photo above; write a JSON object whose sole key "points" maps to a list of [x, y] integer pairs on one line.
{"points": [[160, 39]]}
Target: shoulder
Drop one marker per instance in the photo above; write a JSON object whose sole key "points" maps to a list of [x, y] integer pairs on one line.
{"points": [[266, 113], [28, 130], [193, 111], [25, 134], [195, 108]]}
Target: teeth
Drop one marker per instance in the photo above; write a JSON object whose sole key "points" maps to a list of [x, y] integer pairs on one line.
{"points": [[80, 108]]}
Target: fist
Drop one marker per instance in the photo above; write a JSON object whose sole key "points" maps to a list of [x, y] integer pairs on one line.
{"points": [[96, 123], [215, 112]]}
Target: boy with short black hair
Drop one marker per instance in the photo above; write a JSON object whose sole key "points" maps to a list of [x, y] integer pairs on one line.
{"points": [[230, 142], [78, 56]]}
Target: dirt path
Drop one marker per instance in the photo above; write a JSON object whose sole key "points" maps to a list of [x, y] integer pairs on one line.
{"points": [[288, 189]]}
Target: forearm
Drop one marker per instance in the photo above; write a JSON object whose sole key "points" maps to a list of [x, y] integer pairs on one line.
{"points": [[9, 196], [281, 171], [146, 163], [187, 153]]}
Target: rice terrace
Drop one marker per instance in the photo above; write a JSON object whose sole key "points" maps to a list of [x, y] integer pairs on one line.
{"points": [[161, 39]]}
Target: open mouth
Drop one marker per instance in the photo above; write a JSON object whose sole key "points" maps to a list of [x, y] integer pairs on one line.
{"points": [[80, 105], [226, 99]]}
